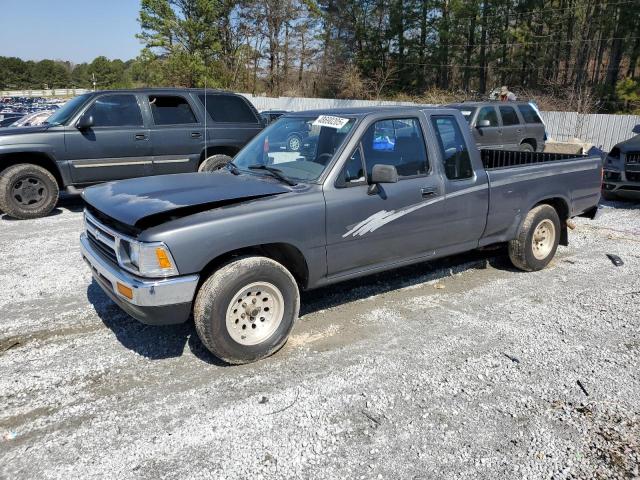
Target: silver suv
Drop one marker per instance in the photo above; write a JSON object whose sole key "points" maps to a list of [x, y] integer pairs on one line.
{"points": [[504, 125]]}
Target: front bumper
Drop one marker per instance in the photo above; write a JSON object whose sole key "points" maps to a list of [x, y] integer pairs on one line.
{"points": [[154, 302]]}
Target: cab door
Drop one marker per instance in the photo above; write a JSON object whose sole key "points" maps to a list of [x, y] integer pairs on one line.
{"points": [[395, 221], [115, 147]]}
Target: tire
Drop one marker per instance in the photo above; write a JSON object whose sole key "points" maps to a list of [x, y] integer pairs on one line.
{"points": [[529, 255], [27, 191], [214, 162], [294, 143], [238, 335], [526, 147]]}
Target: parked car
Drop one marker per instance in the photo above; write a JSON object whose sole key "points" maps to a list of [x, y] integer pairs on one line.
{"points": [[234, 248], [112, 135], [7, 119], [32, 119], [621, 178], [504, 125], [270, 116]]}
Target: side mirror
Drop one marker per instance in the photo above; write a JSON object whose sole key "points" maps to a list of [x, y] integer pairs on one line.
{"points": [[381, 174], [483, 124], [384, 174], [85, 122], [636, 130]]}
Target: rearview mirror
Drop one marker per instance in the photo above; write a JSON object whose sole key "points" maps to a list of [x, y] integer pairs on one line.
{"points": [[636, 129], [85, 122], [483, 124]]}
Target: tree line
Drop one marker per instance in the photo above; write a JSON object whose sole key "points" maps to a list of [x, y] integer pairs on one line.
{"points": [[581, 52]]}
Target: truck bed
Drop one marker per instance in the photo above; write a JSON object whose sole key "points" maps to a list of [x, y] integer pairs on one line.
{"points": [[493, 159], [520, 180]]}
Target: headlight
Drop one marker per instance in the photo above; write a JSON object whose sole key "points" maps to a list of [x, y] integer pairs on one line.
{"points": [[146, 259]]}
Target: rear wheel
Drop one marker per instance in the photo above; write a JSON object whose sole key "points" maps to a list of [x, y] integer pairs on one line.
{"points": [[246, 309], [537, 240], [294, 143], [214, 162], [27, 191]]}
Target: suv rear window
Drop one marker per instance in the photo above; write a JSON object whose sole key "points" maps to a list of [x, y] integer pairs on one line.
{"points": [[228, 108], [529, 114], [171, 110]]}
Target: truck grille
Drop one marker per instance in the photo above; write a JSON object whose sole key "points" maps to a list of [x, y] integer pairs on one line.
{"points": [[101, 237], [633, 157], [633, 176]]}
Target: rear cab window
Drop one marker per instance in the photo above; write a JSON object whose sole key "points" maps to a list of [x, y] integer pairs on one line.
{"points": [[171, 110], [529, 114], [453, 148], [228, 108]]}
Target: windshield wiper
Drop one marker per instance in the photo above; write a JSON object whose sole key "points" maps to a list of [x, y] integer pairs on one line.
{"points": [[233, 168], [276, 172]]}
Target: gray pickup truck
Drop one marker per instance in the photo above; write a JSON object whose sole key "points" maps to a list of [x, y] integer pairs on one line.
{"points": [[113, 135], [381, 188]]}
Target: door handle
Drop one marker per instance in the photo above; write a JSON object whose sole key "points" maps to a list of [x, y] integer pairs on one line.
{"points": [[141, 136], [196, 134], [428, 192]]}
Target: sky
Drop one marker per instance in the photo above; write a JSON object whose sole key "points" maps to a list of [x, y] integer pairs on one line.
{"points": [[72, 30]]}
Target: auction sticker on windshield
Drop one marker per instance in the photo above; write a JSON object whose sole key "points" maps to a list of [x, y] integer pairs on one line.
{"points": [[331, 121]]}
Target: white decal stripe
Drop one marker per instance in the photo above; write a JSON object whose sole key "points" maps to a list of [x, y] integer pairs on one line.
{"points": [[177, 160]]}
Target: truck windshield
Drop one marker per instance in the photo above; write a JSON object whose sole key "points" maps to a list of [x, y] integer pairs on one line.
{"points": [[299, 147], [64, 113]]}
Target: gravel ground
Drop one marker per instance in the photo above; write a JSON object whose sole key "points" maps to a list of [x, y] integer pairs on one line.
{"points": [[464, 368]]}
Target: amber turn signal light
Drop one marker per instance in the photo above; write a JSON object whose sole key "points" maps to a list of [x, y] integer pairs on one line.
{"points": [[125, 291]]}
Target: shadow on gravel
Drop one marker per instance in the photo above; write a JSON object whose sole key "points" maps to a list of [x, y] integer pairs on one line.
{"points": [[149, 341], [162, 342], [380, 283], [621, 204]]}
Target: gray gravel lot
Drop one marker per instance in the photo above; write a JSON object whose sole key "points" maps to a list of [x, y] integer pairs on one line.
{"points": [[464, 368]]}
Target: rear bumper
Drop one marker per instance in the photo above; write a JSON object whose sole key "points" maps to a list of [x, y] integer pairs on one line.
{"points": [[154, 302]]}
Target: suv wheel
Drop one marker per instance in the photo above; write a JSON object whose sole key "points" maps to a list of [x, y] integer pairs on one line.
{"points": [[526, 147], [537, 240], [246, 309], [27, 191], [214, 162]]}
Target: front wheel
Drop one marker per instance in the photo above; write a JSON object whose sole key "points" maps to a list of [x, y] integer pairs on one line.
{"points": [[214, 162], [27, 191], [537, 239], [246, 309], [526, 147]]}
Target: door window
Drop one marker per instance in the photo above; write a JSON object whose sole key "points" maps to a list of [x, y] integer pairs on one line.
{"points": [[455, 154], [509, 116], [171, 110], [529, 114], [396, 142], [488, 113], [116, 111], [227, 108]]}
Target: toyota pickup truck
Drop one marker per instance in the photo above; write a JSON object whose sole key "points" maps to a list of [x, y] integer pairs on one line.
{"points": [[381, 188]]}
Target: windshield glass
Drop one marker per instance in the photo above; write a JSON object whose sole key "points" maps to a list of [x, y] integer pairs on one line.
{"points": [[467, 112], [300, 147], [64, 113]]}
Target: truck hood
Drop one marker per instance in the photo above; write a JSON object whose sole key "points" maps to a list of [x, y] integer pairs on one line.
{"points": [[19, 131], [148, 201], [631, 145]]}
